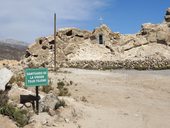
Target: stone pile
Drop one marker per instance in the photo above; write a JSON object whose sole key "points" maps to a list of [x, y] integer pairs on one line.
{"points": [[167, 17], [145, 64]]}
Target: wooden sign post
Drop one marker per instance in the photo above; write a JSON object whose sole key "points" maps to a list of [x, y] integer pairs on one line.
{"points": [[55, 42], [35, 77]]}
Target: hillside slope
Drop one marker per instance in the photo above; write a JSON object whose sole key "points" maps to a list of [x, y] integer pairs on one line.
{"points": [[12, 50]]}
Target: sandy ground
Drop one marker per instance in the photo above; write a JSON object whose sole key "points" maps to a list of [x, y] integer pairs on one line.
{"points": [[120, 98]]}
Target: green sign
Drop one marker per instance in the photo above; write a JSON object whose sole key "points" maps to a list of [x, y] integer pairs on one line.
{"points": [[36, 77]]}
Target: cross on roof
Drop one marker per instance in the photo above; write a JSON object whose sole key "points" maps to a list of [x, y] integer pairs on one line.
{"points": [[101, 20]]}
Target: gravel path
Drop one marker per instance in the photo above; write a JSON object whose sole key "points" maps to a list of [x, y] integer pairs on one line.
{"points": [[121, 98]]}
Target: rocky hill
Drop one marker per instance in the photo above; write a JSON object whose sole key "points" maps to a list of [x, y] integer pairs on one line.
{"points": [[11, 49], [104, 49]]}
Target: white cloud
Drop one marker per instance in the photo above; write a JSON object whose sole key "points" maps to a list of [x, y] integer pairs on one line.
{"points": [[28, 19]]}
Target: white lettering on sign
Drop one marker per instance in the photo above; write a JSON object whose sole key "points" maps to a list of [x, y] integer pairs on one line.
{"points": [[41, 80], [34, 73], [44, 73], [31, 77], [31, 81], [38, 77]]}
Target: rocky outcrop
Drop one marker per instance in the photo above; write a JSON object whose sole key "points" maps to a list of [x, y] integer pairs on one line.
{"points": [[167, 17], [156, 33], [5, 76], [102, 47]]}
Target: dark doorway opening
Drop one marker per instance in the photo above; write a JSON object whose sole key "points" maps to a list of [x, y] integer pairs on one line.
{"points": [[101, 39]]}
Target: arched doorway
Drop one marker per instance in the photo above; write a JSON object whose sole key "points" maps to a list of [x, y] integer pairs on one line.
{"points": [[101, 39]]}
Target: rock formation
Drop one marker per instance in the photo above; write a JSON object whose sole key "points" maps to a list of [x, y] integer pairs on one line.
{"points": [[167, 17], [4, 78], [102, 48]]}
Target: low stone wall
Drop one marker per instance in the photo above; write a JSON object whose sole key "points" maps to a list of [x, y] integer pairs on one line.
{"points": [[145, 64]]}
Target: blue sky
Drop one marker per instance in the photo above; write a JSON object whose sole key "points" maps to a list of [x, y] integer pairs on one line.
{"points": [[27, 20]]}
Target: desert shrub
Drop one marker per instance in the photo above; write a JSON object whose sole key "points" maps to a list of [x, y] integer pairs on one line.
{"points": [[20, 116], [63, 91], [48, 88], [60, 84], [60, 103], [83, 98], [3, 98]]}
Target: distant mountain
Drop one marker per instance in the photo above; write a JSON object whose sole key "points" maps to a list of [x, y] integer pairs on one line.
{"points": [[12, 49], [15, 42]]}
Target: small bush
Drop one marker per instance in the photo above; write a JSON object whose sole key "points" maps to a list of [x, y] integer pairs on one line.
{"points": [[60, 84], [48, 88], [63, 91], [3, 98], [83, 98], [60, 103], [20, 116]]}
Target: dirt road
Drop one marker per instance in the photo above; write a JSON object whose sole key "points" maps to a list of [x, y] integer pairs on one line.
{"points": [[120, 98]]}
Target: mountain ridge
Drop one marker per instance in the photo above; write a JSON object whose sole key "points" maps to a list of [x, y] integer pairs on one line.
{"points": [[11, 49]]}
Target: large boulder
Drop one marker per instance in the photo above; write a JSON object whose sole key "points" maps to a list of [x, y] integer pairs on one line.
{"points": [[129, 42], [162, 37], [155, 33], [5, 76], [48, 102], [167, 17], [168, 11]]}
